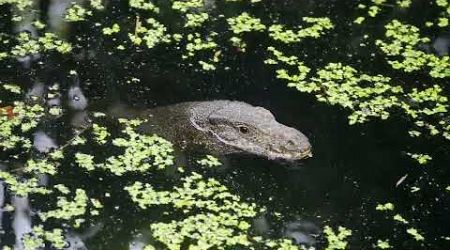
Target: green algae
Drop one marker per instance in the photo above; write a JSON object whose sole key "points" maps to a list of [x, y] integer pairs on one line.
{"points": [[215, 218], [137, 150], [415, 234], [12, 129], [38, 236], [155, 33], [385, 207], [400, 218], [19, 4], [383, 244], [22, 187], [337, 240], [245, 23], [111, 30], [143, 5], [27, 45], [318, 27], [73, 208], [402, 41], [365, 95], [209, 161], [77, 13]]}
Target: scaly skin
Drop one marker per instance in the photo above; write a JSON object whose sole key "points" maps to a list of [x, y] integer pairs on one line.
{"points": [[226, 127]]}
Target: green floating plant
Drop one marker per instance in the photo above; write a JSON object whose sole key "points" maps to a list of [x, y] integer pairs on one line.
{"points": [[245, 23], [445, 15], [420, 158], [365, 95], [100, 133], [186, 5], [31, 46], [73, 209], [383, 244], [111, 30], [196, 43], [415, 234], [13, 88], [77, 13], [195, 20], [97, 4], [22, 187], [143, 5], [215, 217], [153, 35], [400, 218], [19, 4], [404, 3], [385, 207], [402, 41], [37, 238], [140, 152], [40, 167], [209, 161], [337, 240], [12, 128], [319, 25]]}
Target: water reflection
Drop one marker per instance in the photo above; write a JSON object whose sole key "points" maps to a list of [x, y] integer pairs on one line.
{"points": [[76, 241], [43, 143], [303, 232], [76, 98], [21, 219], [36, 92], [442, 45]]}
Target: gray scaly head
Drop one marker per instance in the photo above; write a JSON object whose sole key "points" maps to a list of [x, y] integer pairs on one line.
{"points": [[250, 129]]}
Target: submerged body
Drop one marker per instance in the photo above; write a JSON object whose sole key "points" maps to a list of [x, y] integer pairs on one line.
{"points": [[226, 127], [223, 127]]}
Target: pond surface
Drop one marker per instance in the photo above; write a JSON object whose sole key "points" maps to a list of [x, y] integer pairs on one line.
{"points": [[353, 169]]}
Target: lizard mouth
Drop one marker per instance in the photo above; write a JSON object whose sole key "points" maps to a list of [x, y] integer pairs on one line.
{"points": [[276, 155]]}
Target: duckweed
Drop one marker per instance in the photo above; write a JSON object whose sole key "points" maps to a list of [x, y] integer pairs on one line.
{"points": [[222, 223], [385, 207], [152, 36], [22, 186], [144, 5], [29, 46], [415, 234], [318, 28], [19, 4], [399, 218], [209, 161], [40, 167], [109, 31], [245, 23], [195, 20], [337, 240], [72, 209], [12, 129], [402, 40], [138, 149], [36, 239], [13, 88], [77, 13], [383, 244], [420, 158], [214, 217]]}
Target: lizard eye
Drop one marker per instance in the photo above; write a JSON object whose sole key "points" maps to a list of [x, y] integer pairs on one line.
{"points": [[243, 129]]}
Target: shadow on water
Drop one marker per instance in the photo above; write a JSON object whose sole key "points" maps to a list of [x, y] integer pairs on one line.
{"points": [[353, 167]]}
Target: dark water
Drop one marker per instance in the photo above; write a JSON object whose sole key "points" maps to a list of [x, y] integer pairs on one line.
{"points": [[354, 167]]}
